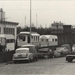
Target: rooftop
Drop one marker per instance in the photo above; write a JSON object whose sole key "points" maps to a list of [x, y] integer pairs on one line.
{"points": [[8, 22]]}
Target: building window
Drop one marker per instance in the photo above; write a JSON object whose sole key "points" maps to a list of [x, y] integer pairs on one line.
{"points": [[46, 40], [9, 31], [42, 40], [36, 38], [13, 30]]}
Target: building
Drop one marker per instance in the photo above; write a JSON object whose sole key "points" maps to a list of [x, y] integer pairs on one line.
{"points": [[7, 27], [64, 33]]}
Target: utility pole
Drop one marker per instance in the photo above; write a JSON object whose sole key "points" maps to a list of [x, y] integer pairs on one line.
{"points": [[30, 21], [36, 20], [25, 21]]}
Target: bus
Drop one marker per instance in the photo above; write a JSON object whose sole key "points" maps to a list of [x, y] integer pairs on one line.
{"points": [[24, 38], [7, 41]]}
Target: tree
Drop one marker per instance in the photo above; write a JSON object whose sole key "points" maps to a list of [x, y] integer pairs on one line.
{"points": [[18, 29]]}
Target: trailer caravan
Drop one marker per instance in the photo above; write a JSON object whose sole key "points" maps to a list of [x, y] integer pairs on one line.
{"points": [[24, 38], [7, 41], [48, 40]]}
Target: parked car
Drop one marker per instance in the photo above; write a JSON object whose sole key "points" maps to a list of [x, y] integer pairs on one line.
{"points": [[26, 52], [71, 56], [45, 53], [67, 46], [57, 54], [62, 50]]}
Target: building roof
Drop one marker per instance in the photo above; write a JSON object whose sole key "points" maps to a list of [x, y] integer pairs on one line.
{"points": [[8, 22]]}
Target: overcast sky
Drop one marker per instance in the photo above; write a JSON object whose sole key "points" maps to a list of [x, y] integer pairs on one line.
{"points": [[47, 11]]}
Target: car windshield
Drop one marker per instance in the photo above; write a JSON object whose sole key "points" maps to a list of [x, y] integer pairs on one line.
{"points": [[22, 51]]}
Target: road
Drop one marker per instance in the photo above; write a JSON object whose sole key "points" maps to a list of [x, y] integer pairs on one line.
{"points": [[53, 66]]}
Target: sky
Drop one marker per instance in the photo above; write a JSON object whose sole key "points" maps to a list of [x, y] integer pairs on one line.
{"points": [[47, 11]]}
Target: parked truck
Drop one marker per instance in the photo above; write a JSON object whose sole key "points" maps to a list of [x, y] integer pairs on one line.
{"points": [[71, 56]]}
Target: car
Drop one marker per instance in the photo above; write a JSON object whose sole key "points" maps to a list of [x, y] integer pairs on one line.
{"points": [[62, 50], [57, 54], [45, 53], [24, 53], [68, 47], [71, 56], [58, 51], [33, 49]]}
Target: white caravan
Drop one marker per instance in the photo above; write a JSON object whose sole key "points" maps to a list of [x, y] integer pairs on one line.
{"points": [[7, 40], [48, 40], [23, 38]]}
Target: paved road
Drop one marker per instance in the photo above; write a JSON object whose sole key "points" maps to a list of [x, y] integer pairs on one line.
{"points": [[55, 66]]}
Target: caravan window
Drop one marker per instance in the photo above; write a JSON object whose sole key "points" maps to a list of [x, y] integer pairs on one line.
{"points": [[55, 39], [12, 40], [52, 39], [46, 40], [22, 38], [38, 38], [42, 40], [34, 38]]}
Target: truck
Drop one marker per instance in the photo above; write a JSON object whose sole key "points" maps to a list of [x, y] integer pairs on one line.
{"points": [[71, 55]]}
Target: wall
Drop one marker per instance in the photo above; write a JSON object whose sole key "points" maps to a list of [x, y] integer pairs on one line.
{"points": [[6, 56]]}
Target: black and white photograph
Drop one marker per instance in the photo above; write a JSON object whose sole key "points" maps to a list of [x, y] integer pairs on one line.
{"points": [[37, 37]]}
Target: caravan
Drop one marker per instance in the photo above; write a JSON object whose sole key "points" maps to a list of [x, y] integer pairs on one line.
{"points": [[48, 40], [23, 38], [7, 41]]}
